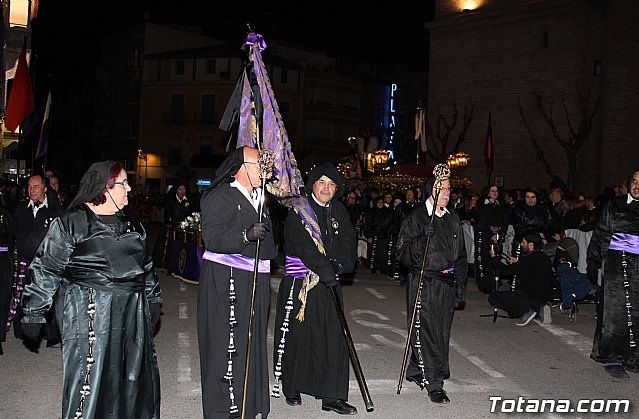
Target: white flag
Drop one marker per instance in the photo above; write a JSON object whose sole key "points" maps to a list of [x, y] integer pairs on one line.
{"points": [[420, 129]]}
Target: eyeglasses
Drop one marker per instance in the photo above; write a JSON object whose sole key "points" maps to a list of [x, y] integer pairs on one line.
{"points": [[124, 183]]}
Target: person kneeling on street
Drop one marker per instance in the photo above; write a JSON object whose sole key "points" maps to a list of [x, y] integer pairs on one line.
{"points": [[533, 284]]}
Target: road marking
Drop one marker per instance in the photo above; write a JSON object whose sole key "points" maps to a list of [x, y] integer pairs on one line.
{"points": [[482, 365], [570, 338], [183, 286], [183, 311], [376, 293], [184, 358]]}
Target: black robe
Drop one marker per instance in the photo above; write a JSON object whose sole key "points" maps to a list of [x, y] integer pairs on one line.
{"points": [[226, 212], [315, 357], [491, 220], [446, 253], [82, 255], [612, 335], [6, 272]]}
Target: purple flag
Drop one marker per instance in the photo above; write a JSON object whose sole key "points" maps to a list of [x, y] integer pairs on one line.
{"points": [[286, 182]]}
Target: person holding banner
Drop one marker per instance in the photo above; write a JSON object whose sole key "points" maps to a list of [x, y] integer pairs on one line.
{"points": [[231, 229], [312, 355]]}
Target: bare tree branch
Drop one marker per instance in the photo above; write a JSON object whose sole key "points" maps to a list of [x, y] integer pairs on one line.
{"points": [[575, 140], [438, 149], [538, 149]]}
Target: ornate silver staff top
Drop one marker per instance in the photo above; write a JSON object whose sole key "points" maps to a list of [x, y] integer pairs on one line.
{"points": [[441, 173], [266, 160]]}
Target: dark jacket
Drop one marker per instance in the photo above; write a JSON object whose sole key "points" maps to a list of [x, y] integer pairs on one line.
{"points": [[534, 273], [446, 249]]}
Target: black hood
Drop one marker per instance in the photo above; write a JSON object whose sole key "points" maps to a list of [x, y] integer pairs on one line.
{"points": [[93, 182], [229, 167]]}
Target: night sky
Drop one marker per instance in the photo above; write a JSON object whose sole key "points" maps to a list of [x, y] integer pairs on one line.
{"points": [[66, 32]]}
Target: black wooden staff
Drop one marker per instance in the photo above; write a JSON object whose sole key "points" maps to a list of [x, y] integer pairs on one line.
{"points": [[441, 172], [357, 368]]}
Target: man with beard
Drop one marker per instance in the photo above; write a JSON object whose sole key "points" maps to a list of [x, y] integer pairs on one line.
{"points": [[231, 228], [533, 285], [315, 358], [444, 279], [614, 247]]}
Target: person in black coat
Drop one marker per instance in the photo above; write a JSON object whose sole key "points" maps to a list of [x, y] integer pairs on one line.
{"points": [[176, 208], [31, 221], [445, 273], [377, 223], [490, 230], [7, 303], [315, 360], [530, 216], [614, 247], [535, 278], [231, 230]]}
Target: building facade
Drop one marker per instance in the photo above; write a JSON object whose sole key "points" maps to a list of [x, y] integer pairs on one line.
{"points": [[503, 56]]}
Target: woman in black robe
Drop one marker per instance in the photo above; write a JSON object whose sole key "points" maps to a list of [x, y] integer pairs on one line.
{"points": [[93, 261]]}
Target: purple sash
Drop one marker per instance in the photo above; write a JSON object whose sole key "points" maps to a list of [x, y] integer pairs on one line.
{"points": [[238, 261], [625, 243], [294, 267]]}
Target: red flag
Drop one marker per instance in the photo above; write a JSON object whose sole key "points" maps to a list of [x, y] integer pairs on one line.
{"points": [[488, 149], [21, 102]]}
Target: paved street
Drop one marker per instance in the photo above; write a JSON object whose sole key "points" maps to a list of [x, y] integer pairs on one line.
{"points": [[487, 359]]}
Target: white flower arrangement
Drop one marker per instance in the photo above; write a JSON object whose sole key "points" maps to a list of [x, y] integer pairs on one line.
{"points": [[192, 222]]}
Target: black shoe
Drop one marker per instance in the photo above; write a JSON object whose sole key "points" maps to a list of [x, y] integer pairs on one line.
{"points": [[417, 379], [294, 401], [339, 406], [31, 345], [438, 396], [616, 371], [53, 343]]}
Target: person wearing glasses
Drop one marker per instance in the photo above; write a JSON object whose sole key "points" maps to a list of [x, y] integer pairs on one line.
{"points": [[231, 230], [444, 284], [94, 264], [315, 360]]}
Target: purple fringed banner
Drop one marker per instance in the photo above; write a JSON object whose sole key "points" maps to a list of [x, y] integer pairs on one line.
{"points": [[286, 182]]}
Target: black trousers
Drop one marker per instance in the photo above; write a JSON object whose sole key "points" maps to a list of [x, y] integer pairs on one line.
{"points": [[436, 317], [516, 303]]}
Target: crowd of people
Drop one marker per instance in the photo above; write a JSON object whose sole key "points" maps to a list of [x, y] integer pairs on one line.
{"points": [[56, 291]]}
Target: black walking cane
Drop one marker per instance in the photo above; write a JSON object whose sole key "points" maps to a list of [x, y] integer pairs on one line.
{"points": [[357, 368], [441, 172], [265, 161]]}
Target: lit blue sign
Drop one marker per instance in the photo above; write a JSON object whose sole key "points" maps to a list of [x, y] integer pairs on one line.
{"points": [[391, 123], [203, 182]]}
